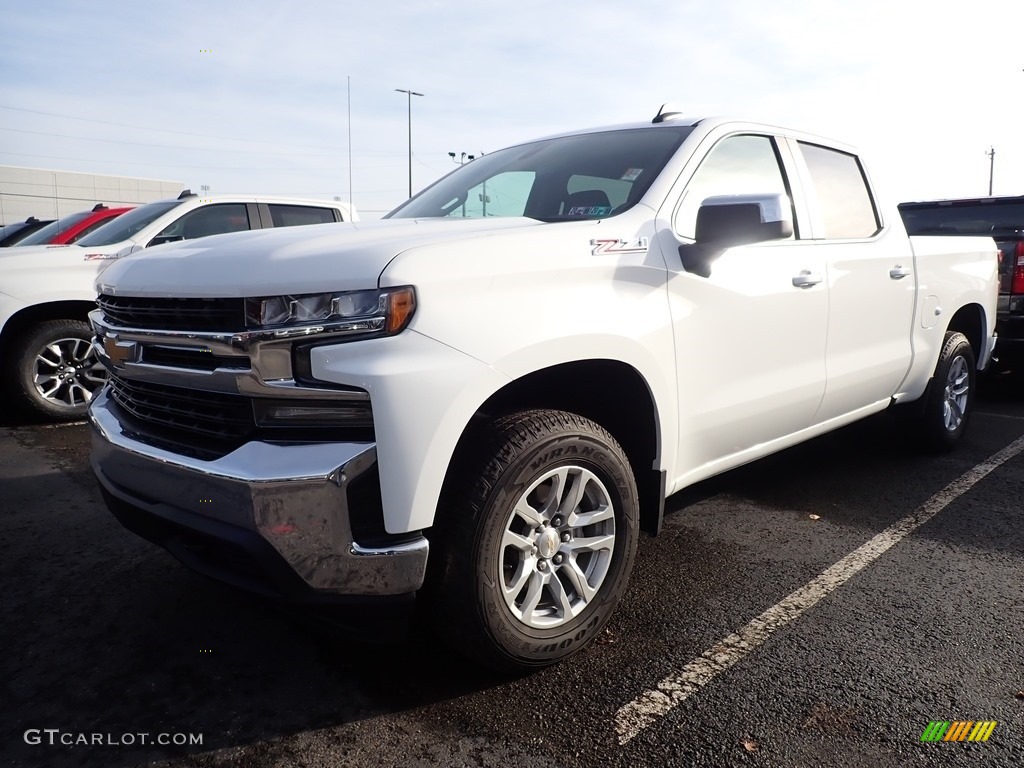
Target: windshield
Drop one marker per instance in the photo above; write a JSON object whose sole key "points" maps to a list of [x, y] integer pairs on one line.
{"points": [[585, 176], [54, 228], [129, 224], [963, 217], [14, 233]]}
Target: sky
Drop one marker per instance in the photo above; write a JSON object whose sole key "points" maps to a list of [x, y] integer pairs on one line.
{"points": [[258, 97]]}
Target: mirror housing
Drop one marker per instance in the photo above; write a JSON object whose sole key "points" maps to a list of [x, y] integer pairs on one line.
{"points": [[729, 220], [725, 221]]}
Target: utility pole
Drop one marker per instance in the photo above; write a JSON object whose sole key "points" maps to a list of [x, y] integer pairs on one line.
{"points": [[991, 167], [410, 94], [348, 89]]}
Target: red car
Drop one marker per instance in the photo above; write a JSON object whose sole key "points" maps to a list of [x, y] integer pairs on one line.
{"points": [[68, 229]]}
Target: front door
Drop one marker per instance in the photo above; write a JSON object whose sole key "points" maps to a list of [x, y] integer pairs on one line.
{"points": [[750, 338]]}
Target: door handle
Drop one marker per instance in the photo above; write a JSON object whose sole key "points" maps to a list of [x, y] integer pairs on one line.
{"points": [[899, 272], [806, 279]]}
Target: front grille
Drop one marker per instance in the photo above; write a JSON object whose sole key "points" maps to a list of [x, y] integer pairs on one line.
{"points": [[185, 415], [196, 359], [224, 315], [208, 425]]}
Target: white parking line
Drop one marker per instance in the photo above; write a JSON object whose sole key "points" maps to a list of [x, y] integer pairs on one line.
{"points": [[646, 708]]}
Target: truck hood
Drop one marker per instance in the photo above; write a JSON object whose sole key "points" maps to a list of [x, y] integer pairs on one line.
{"points": [[66, 253], [49, 273], [294, 260]]}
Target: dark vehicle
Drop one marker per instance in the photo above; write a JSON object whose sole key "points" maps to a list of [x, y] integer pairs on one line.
{"points": [[1002, 219], [13, 234]]}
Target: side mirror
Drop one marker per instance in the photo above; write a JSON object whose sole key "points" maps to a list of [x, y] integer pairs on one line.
{"points": [[725, 221]]}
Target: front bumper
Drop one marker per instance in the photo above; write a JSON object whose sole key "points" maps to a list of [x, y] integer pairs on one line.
{"points": [[272, 519]]}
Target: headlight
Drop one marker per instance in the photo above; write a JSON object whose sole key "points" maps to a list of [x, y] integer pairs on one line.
{"points": [[383, 312]]}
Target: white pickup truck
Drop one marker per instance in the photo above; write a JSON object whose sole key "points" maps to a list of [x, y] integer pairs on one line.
{"points": [[46, 291], [480, 401]]}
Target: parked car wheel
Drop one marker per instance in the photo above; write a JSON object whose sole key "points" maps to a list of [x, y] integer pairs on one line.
{"points": [[57, 372], [538, 542], [950, 399]]}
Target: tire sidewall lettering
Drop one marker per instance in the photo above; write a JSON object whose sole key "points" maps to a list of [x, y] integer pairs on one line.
{"points": [[563, 450]]}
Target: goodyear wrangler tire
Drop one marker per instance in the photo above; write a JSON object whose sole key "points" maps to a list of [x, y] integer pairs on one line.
{"points": [[539, 540]]}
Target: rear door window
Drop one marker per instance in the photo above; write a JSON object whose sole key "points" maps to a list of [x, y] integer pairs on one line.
{"points": [[299, 215], [845, 206]]}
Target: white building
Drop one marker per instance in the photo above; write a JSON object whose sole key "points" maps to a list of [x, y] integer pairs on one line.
{"points": [[48, 194]]}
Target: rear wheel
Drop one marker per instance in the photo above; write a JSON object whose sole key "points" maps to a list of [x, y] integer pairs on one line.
{"points": [[56, 371], [950, 399], [537, 541]]}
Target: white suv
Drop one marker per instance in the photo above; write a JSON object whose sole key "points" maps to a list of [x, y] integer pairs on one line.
{"points": [[47, 292]]}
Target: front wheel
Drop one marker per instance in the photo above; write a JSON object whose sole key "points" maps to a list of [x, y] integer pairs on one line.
{"points": [[950, 399], [55, 371], [536, 542]]}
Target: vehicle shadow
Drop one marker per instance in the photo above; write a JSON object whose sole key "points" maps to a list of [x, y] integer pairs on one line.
{"points": [[104, 633], [868, 474], [147, 647]]}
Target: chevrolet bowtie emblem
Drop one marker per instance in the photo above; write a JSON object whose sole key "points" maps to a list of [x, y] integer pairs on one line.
{"points": [[119, 352]]}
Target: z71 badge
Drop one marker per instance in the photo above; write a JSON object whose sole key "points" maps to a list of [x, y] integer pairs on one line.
{"points": [[636, 245]]}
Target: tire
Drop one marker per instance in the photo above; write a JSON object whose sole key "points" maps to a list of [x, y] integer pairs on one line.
{"points": [[55, 370], [950, 398], [523, 583]]}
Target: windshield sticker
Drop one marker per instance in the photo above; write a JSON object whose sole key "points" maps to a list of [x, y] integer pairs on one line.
{"points": [[636, 245], [632, 174], [589, 210]]}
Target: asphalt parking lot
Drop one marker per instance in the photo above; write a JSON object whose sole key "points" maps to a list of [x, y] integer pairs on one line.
{"points": [[821, 607]]}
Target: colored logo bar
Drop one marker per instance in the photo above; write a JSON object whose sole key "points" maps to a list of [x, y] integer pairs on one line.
{"points": [[959, 730]]}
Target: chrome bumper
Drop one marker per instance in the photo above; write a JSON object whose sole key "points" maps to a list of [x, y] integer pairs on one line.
{"points": [[287, 505]]}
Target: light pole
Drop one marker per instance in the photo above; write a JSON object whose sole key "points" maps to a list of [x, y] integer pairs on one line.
{"points": [[410, 94], [462, 161], [991, 167]]}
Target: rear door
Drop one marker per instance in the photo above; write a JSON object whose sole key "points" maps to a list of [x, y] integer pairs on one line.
{"points": [[872, 283]]}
